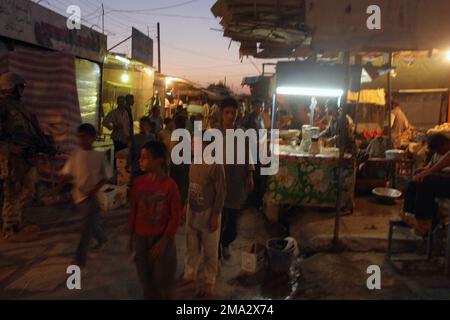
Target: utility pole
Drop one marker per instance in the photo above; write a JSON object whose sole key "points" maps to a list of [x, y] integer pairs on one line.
{"points": [[103, 19], [159, 48]]}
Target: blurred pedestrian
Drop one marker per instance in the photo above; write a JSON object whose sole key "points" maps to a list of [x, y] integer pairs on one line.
{"points": [[253, 120], [156, 118], [165, 136], [180, 172], [146, 135], [88, 171]]}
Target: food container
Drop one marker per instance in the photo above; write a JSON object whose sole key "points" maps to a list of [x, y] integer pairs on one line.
{"points": [[307, 133], [315, 146], [253, 258], [289, 134], [396, 155], [111, 197]]}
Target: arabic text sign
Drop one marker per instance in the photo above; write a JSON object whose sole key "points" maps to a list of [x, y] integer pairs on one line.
{"points": [[26, 21]]}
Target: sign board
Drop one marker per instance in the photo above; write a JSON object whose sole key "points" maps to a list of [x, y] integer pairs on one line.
{"points": [[29, 22], [142, 47]]}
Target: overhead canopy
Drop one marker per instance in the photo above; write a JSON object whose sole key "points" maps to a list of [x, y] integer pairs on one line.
{"points": [[414, 73], [298, 28], [263, 27]]}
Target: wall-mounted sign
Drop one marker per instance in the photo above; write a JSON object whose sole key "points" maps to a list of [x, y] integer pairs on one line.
{"points": [[142, 47], [26, 21]]}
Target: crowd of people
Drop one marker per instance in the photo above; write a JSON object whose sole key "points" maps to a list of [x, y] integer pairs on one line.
{"points": [[208, 198]]}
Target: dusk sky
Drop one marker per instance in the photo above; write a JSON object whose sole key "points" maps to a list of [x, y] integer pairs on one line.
{"points": [[190, 48]]}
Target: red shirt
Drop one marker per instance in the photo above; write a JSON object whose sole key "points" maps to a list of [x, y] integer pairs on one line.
{"points": [[155, 207]]}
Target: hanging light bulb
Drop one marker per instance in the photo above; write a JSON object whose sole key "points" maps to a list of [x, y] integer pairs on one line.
{"points": [[125, 78]]}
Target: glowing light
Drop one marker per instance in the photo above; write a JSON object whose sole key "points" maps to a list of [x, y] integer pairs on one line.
{"points": [[314, 92], [447, 54], [169, 81], [125, 78], [122, 59], [148, 71]]}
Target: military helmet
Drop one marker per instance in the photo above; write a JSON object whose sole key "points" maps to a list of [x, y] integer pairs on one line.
{"points": [[9, 80]]}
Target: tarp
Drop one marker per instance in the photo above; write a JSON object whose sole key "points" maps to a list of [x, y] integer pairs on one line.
{"points": [[416, 73], [376, 97], [51, 92]]}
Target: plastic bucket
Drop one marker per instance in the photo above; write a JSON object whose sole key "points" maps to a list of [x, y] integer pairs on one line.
{"points": [[280, 261]]}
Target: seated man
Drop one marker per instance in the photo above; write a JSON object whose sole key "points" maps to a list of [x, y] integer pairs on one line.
{"points": [[433, 181], [379, 145]]}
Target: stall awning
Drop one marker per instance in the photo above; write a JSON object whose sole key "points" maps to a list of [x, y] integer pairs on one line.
{"points": [[375, 96], [298, 28]]}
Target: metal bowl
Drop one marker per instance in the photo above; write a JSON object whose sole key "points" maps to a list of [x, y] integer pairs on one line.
{"points": [[386, 195]]}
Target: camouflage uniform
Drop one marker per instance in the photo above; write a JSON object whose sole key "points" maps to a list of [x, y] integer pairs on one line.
{"points": [[17, 172]]}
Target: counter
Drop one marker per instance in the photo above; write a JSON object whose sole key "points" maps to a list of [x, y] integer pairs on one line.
{"points": [[309, 181]]}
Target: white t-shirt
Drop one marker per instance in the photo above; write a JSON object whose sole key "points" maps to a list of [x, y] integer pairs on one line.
{"points": [[87, 168]]}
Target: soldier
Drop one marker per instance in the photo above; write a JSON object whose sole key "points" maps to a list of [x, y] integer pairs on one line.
{"points": [[20, 141]]}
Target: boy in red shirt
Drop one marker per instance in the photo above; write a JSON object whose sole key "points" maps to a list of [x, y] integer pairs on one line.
{"points": [[154, 219]]}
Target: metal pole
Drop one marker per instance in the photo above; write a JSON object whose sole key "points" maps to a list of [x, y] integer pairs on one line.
{"points": [[159, 47], [389, 100], [103, 18], [274, 110], [358, 62], [341, 143], [392, 165]]}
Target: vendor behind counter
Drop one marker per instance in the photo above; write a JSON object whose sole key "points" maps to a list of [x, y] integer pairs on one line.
{"points": [[333, 131]]}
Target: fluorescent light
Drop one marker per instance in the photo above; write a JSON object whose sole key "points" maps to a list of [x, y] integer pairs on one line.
{"points": [[122, 59], [125, 78], [447, 54], [314, 92]]}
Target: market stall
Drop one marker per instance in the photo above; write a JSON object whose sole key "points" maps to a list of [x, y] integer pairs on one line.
{"points": [[309, 173]]}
